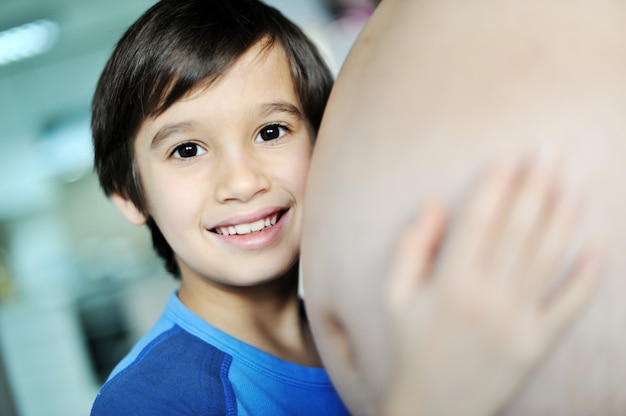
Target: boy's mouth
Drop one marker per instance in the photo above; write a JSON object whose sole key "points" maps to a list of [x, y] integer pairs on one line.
{"points": [[248, 228]]}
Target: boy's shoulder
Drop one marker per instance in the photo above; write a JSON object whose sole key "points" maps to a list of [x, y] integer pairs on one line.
{"points": [[184, 365], [176, 373]]}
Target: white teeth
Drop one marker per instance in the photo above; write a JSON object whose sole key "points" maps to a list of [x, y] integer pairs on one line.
{"points": [[242, 228], [248, 228], [258, 225]]}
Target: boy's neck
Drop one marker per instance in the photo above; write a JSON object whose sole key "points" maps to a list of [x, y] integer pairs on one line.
{"points": [[267, 316]]}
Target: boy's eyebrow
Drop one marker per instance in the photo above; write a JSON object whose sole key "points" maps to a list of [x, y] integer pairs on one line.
{"points": [[282, 107], [267, 110], [169, 129]]}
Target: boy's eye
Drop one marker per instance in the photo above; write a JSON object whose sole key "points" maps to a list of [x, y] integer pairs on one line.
{"points": [[271, 132], [187, 150]]}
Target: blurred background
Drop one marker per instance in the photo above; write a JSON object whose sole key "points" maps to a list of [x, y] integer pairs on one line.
{"points": [[78, 285]]}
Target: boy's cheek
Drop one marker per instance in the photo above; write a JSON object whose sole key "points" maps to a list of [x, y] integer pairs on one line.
{"points": [[169, 198], [298, 177]]}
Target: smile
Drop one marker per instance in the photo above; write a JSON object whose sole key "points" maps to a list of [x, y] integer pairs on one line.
{"points": [[253, 227]]}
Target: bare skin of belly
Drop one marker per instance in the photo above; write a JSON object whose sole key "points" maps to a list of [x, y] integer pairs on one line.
{"points": [[432, 91]]}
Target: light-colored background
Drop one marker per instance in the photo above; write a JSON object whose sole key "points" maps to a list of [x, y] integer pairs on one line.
{"points": [[72, 271]]}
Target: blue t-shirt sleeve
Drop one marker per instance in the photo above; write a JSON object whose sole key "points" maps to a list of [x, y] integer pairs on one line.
{"points": [[176, 374]]}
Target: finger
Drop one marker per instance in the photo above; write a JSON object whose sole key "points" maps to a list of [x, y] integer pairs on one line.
{"points": [[479, 221], [573, 294], [415, 253], [554, 247], [522, 226]]}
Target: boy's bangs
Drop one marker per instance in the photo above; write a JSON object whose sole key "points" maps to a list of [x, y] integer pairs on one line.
{"points": [[174, 79], [183, 73]]}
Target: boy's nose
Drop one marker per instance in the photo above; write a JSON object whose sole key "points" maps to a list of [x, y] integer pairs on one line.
{"points": [[240, 176]]}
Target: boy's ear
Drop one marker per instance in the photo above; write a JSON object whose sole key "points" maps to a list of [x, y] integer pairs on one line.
{"points": [[128, 208]]}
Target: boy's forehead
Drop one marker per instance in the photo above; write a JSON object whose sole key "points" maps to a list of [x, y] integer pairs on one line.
{"points": [[259, 81]]}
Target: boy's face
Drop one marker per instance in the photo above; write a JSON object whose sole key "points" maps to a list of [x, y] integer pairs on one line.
{"points": [[224, 170]]}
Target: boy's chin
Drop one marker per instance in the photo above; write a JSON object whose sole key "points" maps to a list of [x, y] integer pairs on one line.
{"points": [[246, 277], [273, 277]]}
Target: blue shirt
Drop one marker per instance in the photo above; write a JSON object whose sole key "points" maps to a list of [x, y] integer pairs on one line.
{"points": [[185, 366]]}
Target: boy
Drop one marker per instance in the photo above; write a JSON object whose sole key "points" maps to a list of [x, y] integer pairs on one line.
{"points": [[203, 123]]}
